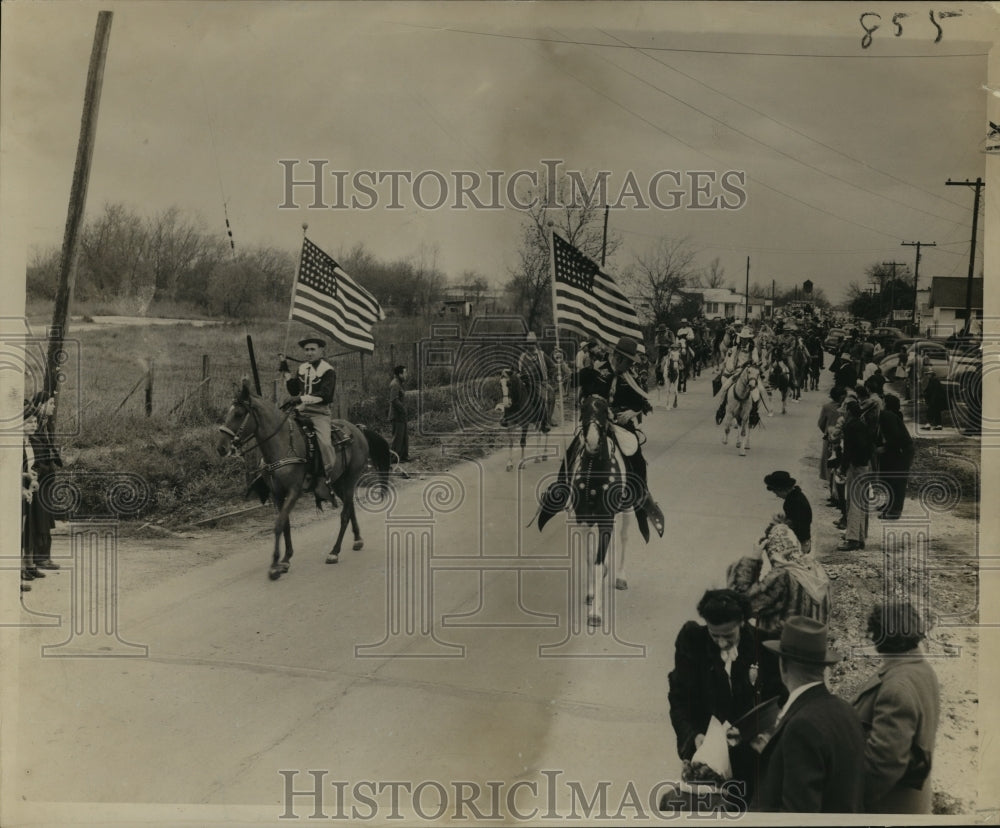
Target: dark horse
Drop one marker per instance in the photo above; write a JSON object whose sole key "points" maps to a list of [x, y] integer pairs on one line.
{"points": [[522, 406], [593, 485], [288, 465]]}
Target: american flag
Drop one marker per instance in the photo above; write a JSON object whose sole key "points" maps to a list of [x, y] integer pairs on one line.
{"points": [[588, 301], [329, 300]]}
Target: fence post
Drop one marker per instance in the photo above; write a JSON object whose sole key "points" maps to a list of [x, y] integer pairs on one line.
{"points": [[205, 381], [149, 389]]}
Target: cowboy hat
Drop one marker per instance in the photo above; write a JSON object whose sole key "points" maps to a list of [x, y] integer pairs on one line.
{"points": [[628, 348], [320, 343], [746, 333], [661, 328], [779, 480], [804, 640]]}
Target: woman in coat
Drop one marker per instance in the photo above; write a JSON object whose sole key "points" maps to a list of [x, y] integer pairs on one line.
{"points": [[895, 456], [900, 707], [796, 584]]}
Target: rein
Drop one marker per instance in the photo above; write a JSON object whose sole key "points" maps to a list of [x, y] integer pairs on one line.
{"points": [[238, 438]]}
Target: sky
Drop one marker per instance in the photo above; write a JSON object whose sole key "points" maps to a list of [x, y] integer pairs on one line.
{"points": [[834, 153]]}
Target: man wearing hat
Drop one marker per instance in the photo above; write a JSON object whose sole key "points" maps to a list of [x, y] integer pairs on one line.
{"points": [[796, 512], [538, 371], [628, 401], [813, 761], [739, 354], [312, 390], [662, 340], [685, 331]]}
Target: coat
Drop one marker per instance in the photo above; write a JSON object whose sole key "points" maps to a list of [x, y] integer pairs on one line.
{"points": [[812, 763], [899, 707], [700, 688]]}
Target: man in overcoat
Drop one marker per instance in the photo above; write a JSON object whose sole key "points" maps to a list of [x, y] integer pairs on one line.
{"points": [[899, 707], [813, 761]]}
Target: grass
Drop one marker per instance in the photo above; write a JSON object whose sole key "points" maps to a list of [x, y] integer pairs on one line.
{"points": [[103, 426]]}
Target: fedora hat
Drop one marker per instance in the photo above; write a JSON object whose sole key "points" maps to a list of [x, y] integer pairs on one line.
{"points": [[628, 348], [779, 480], [804, 640], [314, 340]]}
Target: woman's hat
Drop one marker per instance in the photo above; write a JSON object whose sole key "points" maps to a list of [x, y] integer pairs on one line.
{"points": [[779, 480], [320, 343], [803, 640], [627, 347]]}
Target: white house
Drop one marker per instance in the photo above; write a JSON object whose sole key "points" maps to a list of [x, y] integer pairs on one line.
{"points": [[944, 311], [719, 303]]}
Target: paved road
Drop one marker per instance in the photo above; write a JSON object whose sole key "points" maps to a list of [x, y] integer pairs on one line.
{"points": [[244, 677]]}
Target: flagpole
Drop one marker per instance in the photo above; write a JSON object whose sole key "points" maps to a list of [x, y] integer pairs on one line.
{"points": [[555, 320], [295, 284]]}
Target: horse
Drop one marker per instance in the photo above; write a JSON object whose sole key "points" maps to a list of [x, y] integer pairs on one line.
{"points": [[675, 372], [798, 359], [522, 406], [287, 469], [740, 406], [594, 486]]}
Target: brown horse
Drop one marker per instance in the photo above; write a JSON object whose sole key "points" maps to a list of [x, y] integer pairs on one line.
{"points": [[287, 471]]}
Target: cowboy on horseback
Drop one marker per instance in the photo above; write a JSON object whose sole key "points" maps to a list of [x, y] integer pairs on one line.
{"points": [[312, 390], [537, 371], [739, 355], [628, 402]]}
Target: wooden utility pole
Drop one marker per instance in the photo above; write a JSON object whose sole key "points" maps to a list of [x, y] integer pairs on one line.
{"points": [[746, 295], [916, 276], [892, 289], [979, 184], [77, 202]]}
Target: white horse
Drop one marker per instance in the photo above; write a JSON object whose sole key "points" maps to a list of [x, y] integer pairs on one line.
{"points": [[673, 369], [741, 396]]}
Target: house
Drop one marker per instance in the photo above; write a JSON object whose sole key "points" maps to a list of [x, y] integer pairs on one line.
{"points": [[944, 311], [720, 303]]}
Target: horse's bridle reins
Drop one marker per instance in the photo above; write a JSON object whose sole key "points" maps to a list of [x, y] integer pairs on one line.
{"points": [[736, 396], [237, 436]]}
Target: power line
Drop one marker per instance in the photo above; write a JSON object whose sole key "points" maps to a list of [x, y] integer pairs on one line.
{"points": [[642, 50], [568, 42]]}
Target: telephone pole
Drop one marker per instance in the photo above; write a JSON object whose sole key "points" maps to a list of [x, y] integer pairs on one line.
{"points": [[892, 288], [916, 275], [979, 184]]}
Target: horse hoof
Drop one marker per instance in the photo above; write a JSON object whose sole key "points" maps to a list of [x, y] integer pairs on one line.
{"points": [[510, 466], [274, 573], [593, 620], [332, 558], [358, 544], [621, 583], [283, 567]]}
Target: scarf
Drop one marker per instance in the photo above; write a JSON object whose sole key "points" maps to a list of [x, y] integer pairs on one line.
{"points": [[785, 554]]}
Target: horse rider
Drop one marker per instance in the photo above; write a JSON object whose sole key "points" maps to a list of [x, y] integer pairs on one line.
{"points": [[595, 377], [628, 401], [662, 340], [686, 332], [312, 390], [538, 371], [739, 355]]}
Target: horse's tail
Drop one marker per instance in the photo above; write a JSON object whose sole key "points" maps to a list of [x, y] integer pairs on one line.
{"points": [[378, 451]]}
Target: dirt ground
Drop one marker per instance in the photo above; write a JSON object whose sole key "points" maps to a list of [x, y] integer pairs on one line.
{"points": [[155, 552]]}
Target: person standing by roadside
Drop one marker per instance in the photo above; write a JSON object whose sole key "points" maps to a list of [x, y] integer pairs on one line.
{"points": [[935, 399], [812, 761], [858, 448], [29, 487], [895, 456], [397, 414], [828, 417], [899, 708], [47, 460]]}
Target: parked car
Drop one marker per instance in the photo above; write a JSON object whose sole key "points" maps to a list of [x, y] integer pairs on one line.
{"points": [[833, 340], [931, 352], [887, 337]]}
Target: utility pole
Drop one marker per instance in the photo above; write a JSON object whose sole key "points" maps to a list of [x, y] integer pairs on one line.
{"points": [[916, 275], [77, 201], [892, 288], [979, 184], [746, 295]]}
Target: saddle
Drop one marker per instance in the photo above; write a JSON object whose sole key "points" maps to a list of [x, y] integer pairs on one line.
{"points": [[339, 438]]}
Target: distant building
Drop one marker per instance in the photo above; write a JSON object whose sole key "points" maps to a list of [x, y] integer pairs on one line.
{"points": [[942, 313], [720, 303]]}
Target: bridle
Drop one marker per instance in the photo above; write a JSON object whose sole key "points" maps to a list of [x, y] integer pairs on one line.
{"points": [[237, 437]]}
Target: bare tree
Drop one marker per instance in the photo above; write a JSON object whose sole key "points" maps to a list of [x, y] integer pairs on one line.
{"points": [[714, 276], [580, 223], [661, 274]]}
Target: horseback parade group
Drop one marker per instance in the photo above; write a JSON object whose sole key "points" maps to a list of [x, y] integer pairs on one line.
{"points": [[731, 676]]}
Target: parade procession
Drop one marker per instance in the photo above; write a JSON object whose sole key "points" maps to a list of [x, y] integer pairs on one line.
{"points": [[499, 414]]}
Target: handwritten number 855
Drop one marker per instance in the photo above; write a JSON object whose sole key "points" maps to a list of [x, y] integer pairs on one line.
{"points": [[871, 27]]}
